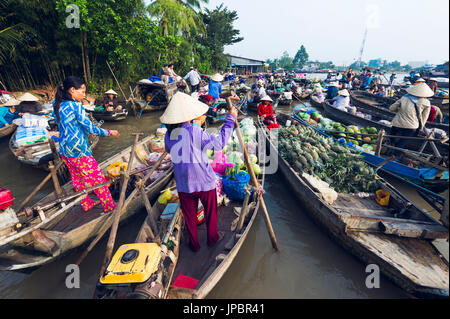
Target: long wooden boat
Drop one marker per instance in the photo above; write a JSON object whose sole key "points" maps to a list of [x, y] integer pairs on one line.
{"points": [[378, 105], [158, 96], [7, 131], [39, 154], [60, 229], [414, 175], [206, 266], [350, 119], [356, 223], [110, 116]]}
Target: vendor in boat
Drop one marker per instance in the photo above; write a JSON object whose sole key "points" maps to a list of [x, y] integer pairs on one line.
{"points": [[187, 144], [260, 92], [318, 92], [382, 91], [392, 79], [29, 104], [8, 112], [332, 91], [343, 99], [215, 87], [432, 83], [74, 126], [111, 103], [413, 110], [265, 110]]}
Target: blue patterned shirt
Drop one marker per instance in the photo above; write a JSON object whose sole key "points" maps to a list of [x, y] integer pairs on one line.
{"points": [[74, 127]]}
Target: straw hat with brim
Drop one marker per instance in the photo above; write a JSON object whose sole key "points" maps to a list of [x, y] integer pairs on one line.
{"points": [[267, 98], [11, 102], [28, 97], [420, 80], [420, 90], [217, 77], [111, 92], [433, 79], [343, 93], [183, 108]]}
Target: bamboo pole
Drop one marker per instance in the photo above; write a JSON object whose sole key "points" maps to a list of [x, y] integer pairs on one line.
{"points": [[115, 226], [255, 182], [379, 142]]}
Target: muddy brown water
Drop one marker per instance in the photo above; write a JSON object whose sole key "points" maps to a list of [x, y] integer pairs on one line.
{"points": [[309, 264]]}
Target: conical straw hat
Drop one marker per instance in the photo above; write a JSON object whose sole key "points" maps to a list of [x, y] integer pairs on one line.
{"points": [[11, 102], [266, 98], [183, 108], [217, 77], [420, 90], [28, 97], [344, 92], [111, 92]]}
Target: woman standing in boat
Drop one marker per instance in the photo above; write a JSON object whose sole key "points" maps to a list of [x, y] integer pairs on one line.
{"points": [[215, 87], [74, 126], [187, 144], [412, 111]]}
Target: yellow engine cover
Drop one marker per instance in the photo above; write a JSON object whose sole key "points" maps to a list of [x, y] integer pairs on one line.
{"points": [[133, 263]]}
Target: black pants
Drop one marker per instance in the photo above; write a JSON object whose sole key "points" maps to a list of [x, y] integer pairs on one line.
{"points": [[195, 88], [398, 131]]}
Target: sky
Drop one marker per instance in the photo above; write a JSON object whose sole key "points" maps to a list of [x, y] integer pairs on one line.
{"points": [[330, 30]]}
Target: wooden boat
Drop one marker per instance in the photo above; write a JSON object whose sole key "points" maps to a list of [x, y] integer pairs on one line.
{"points": [[39, 154], [108, 116], [315, 103], [378, 105], [63, 228], [350, 119], [215, 116], [7, 131], [356, 223], [208, 265], [158, 96], [401, 171]]}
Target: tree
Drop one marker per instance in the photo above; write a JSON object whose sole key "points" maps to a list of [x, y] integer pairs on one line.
{"points": [[220, 32], [301, 57]]}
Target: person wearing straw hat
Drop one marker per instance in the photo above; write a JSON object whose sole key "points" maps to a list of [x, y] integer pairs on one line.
{"points": [[29, 104], [215, 87], [111, 102], [265, 110], [187, 144], [343, 99], [332, 91], [8, 112], [412, 111], [432, 83]]}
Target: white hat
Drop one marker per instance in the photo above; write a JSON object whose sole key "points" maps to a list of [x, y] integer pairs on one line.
{"points": [[420, 80], [28, 97], [260, 82], [217, 77], [420, 90], [266, 98], [11, 102], [433, 79], [343, 92], [183, 108], [111, 92]]}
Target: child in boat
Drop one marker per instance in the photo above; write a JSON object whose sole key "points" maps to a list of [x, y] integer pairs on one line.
{"points": [[187, 144], [74, 126], [8, 112], [265, 110]]}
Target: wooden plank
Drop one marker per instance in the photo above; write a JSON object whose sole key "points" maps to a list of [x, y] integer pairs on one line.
{"points": [[413, 230]]}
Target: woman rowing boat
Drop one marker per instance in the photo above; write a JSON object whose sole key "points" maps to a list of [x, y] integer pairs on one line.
{"points": [[187, 144], [74, 126]]}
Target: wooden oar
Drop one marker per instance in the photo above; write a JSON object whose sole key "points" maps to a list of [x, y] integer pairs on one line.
{"points": [[104, 228], [115, 226], [255, 181]]}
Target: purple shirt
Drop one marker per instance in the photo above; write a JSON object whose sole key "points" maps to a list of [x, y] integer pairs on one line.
{"points": [[192, 170]]}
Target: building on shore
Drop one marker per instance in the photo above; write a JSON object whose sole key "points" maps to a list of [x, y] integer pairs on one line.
{"points": [[243, 66]]}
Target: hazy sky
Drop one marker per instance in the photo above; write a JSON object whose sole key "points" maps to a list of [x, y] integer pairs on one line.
{"points": [[403, 30]]}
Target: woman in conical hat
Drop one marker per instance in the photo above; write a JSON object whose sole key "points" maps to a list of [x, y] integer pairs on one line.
{"points": [[412, 111], [111, 102], [215, 87], [29, 104], [265, 110], [8, 112], [187, 144]]}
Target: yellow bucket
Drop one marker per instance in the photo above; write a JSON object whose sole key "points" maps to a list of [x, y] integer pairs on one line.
{"points": [[383, 197]]}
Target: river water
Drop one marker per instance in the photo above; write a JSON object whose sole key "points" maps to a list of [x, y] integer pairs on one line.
{"points": [[309, 264]]}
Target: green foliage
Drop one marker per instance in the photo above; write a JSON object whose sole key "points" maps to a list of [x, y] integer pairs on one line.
{"points": [[301, 57], [134, 38]]}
